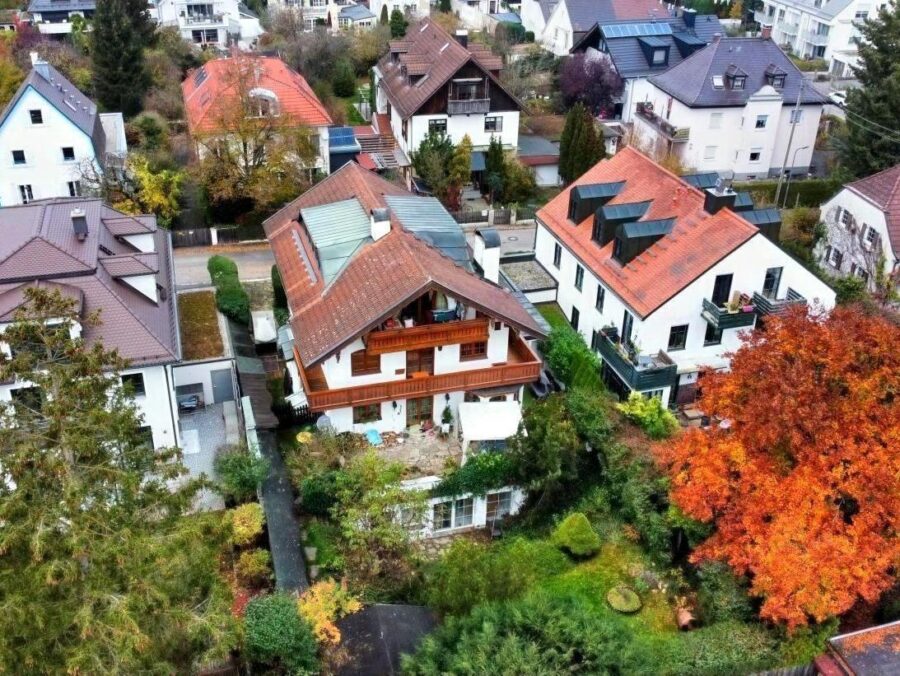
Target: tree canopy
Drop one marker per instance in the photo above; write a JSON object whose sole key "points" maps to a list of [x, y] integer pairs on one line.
{"points": [[121, 30], [593, 82], [802, 485], [580, 147]]}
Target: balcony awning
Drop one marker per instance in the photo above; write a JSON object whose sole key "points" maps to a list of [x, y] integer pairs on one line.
{"points": [[489, 420]]}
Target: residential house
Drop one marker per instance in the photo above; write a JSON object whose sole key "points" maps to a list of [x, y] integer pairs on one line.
{"points": [[51, 135], [560, 24], [412, 9], [104, 261], [483, 14], [275, 92], [637, 50], [11, 19], [863, 228], [542, 156], [867, 652], [220, 23], [739, 107], [819, 29], [394, 331], [662, 273], [332, 14], [432, 81], [55, 17]]}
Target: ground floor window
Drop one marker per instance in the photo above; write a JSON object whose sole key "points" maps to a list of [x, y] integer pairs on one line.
{"points": [[366, 414], [713, 335], [453, 514], [203, 37], [442, 515], [499, 505]]}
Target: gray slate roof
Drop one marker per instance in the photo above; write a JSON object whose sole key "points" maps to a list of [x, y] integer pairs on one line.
{"points": [[68, 100], [584, 14], [61, 5], [691, 81], [532, 146], [356, 13]]}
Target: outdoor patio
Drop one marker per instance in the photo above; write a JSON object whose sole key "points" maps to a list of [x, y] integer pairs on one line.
{"points": [[424, 453], [202, 433]]}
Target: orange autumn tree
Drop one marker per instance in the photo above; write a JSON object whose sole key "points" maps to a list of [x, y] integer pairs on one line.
{"points": [[803, 486]]}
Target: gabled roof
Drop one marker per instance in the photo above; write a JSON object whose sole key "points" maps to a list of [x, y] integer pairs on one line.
{"points": [[39, 247], [584, 14], [213, 85], [694, 243], [67, 99], [883, 190], [434, 56], [691, 81], [356, 13], [380, 277]]}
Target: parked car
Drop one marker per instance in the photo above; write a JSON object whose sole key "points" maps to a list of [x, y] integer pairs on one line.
{"points": [[838, 98]]}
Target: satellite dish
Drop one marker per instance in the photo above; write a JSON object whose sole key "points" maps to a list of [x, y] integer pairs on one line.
{"points": [[323, 424]]}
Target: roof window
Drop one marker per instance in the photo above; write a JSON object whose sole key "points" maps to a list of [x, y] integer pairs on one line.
{"points": [[718, 82]]}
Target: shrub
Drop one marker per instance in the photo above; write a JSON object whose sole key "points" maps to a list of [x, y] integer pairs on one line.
{"points": [[152, 129], [810, 192], [246, 523], [720, 595], [529, 36], [324, 603], [254, 567], [231, 298], [624, 600], [723, 648], [850, 289], [221, 266], [344, 81], [481, 473], [576, 535], [570, 359], [277, 637], [279, 297], [589, 410], [318, 493], [240, 473], [650, 414]]}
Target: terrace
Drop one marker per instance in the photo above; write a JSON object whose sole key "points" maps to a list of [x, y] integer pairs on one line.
{"points": [[741, 314], [640, 372], [670, 131]]}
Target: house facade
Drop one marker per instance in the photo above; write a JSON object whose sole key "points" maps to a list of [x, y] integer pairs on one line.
{"points": [[51, 135], [732, 108], [863, 229], [220, 23], [103, 260], [253, 87], [412, 9], [823, 29], [55, 17], [432, 81], [334, 15], [661, 273]]}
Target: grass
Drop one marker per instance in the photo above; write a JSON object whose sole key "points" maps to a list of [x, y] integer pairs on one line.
{"points": [[553, 314], [260, 293], [585, 372], [323, 536], [199, 324]]}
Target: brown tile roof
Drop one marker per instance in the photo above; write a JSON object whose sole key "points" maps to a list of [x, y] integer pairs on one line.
{"points": [[14, 298], [437, 56], [380, 278], [39, 246], [883, 190], [697, 241]]}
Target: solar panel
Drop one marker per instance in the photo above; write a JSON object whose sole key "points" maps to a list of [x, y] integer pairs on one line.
{"points": [[200, 76], [635, 30]]}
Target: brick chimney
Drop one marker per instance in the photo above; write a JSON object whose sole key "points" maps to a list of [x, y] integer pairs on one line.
{"points": [[462, 37], [765, 31]]}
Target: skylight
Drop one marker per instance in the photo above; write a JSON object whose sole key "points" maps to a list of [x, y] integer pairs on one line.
{"points": [[718, 82]]}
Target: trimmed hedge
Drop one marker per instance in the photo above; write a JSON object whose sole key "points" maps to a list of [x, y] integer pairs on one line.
{"points": [[231, 298], [576, 535], [483, 472], [810, 192], [277, 637]]}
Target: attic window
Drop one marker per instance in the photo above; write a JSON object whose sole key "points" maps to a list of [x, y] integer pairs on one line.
{"points": [[777, 80], [263, 103], [659, 57], [737, 81], [718, 82]]}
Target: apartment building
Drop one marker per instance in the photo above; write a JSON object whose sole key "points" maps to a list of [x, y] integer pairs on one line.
{"points": [[220, 23], [55, 17]]}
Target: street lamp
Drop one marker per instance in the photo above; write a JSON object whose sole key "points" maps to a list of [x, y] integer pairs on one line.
{"points": [[787, 186]]}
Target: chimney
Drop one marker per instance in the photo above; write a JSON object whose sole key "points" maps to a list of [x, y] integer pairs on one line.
{"points": [[719, 197], [486, 252], [765, 31], [716, 37], [689, 16], [79, 224], [380, 220], [41, 66], [462, 37]]}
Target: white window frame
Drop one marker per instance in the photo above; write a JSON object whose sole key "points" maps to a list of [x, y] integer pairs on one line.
{"points": [[715, 120], [709, 152], [764, 119]]}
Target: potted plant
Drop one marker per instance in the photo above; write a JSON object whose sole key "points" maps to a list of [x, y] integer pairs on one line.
{"points": [[446, 419]]}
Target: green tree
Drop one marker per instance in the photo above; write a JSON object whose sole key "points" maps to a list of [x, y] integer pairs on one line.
{"points": [[398, 23], [117, 51], [102, 570], [383, 20], [278, 637], [495, 168], [431, 161], [458, 172], [574, 119], [581, 147], [240, 472], [344, 80], [11, 75], [521, 184], [873, 140], [445, 6]]}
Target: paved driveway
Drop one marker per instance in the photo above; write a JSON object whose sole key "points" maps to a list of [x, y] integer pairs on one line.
{"points": [[254, 262]]}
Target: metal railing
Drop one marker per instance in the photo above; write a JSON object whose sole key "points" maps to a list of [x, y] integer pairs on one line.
{"points": [[676, 134], [723, 318], [776, 306], [814, 38], [639, 373]]}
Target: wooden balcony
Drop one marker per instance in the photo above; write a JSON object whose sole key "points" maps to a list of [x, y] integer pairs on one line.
{"points": [[722, 318], [468, 106], [522, 367], [427, 335]]}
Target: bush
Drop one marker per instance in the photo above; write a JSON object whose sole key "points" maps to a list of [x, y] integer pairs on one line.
{"points": [[221, 266], [277, 637], [570, 359], [589, 410], [481, 473], [153, 131], [231, 298], [849, 290], [623, 600], [723, 648], [324, 603], [576, 535], [650, 414], [247, 523], [809, 192], [240, 473], [254, 567], [720, 595], [529, 36], [344, 80], [318, 493]]}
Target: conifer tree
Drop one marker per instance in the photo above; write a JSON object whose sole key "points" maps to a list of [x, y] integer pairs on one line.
{"points": [[117, 52], [495, 168], [567, 150], [399, 24]]}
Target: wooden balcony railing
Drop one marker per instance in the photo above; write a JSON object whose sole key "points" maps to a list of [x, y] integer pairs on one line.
{"points": [[467, 106], [427, 335]]}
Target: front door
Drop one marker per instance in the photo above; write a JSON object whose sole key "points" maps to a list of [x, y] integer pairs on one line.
{"points": [[222, 385], [418, 410], [420, 361]]}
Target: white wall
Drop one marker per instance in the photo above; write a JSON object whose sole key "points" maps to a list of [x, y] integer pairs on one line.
{"points": [[157, 405], [393, 418], [546, 175], [457, 127], [339, 374], [44, 168], [558, 35], [532, 18], [200, 373], [479, 507]]}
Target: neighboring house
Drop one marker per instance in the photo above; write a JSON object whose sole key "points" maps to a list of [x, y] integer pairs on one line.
{"points": [[661, 273], [731, 108], [542, 155], [482, 14], [105, 261], [639, 49], [333, 14], [11, 19], [211, 95], [412, 9], [54, 17], [560, 24], [822, 29], [863, 228], [51, 135], [220, 23], [431, 80], [394, 330], [867, 652]]}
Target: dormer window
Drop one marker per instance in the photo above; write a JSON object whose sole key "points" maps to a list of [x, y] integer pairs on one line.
{"points": [[778, 81], [775, 76], [659, 57], [263, 103], [738, 81]]}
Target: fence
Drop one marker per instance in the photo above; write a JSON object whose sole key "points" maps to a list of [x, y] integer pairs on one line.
{"points": [[196, 237], [217, 235], [502, 216], [494, 216]]}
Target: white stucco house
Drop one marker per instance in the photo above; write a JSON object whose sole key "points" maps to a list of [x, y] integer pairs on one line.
{"points": [[863, 229], [413, 9], [335, 15], [731, 108], [432, 81], [822, 29], [55, 17], [49, 133], [661, 274], [220, 23]]}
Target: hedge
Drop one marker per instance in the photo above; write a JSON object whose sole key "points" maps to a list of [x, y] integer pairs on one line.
{"points": [[810, 192], [231, 298]]}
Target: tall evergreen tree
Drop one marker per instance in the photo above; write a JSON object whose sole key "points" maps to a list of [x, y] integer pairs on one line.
{"points": [[398, 24], [101, 569], [383, 20], [117, 52], [873, 137], [567, 149], [580, 147], [495, 168]]}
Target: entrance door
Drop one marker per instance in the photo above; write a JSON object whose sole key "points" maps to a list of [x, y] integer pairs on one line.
{"points": [[418, 410], [222, 385], [420, 361]]}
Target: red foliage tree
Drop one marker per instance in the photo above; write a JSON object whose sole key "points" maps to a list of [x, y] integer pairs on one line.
{"points": [[592, 81], [803, 485]]}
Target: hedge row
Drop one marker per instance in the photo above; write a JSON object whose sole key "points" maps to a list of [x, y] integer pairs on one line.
{"points": [[231, 298], [811, 192]]}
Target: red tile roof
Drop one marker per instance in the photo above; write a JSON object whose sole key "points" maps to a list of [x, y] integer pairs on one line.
{"points": [[697, 241], [378, 280], [207, 88], [883, 190]]}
